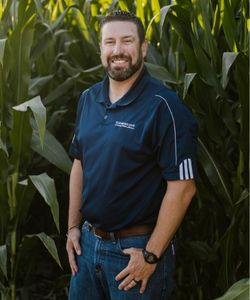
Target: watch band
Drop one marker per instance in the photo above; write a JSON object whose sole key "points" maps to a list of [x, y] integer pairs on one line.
{"points": [[150, 257]]}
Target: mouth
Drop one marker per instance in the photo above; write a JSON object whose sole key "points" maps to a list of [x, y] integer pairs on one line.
{"points": [[119, 60]]}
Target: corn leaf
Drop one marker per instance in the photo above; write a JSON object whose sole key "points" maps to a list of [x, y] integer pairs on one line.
{"points": [[25, 192], [3, 147], [238, 291], [2, 102], [61, 90], [242, 80], [19, 45], [163, 13], [3, 259], [203, 16], [216, 22], [2, 47], [123, 5], [46, 187], [37, 83], [160, 73], [155, 6], [228, 23], [52, 150], [180, 20], [39, 112], [228, 59], [4, 207], [49, 243], [140, 11], [189, 77], [20, 136], [47, 36], [206, 71], [214, 174], [81, 23]]}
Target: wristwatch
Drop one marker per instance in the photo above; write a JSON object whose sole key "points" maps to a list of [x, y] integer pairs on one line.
{"points": [[150, 257]]}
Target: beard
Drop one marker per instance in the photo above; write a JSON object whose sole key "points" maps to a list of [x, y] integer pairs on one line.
{"points": [[118, 73]]}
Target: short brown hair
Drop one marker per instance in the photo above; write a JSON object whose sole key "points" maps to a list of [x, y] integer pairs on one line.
{"points": [[120, 15]]}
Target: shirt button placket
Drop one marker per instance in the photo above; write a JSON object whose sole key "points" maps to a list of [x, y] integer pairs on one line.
{"points": [[106, 115]]}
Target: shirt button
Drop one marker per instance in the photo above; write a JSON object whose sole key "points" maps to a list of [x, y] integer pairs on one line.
{"points": [[105, 117]]}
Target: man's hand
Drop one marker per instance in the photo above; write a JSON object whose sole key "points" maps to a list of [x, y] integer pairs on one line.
{"points": [[73, 247], [136, 270]]}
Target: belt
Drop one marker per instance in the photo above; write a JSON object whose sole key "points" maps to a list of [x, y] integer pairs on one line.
{"points": [[129, 231]]}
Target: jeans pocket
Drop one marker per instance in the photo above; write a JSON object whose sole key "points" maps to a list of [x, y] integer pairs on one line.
{"points": [[137, 241]]}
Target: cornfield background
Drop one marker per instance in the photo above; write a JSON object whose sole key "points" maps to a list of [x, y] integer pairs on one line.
{"points": [[48, 55]]}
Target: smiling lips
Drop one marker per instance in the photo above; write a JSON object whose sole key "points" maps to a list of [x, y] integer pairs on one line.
{"points": [[114, 61], [118, 60]]}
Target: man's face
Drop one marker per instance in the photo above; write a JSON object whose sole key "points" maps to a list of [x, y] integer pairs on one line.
{"points": [[121, 52]]}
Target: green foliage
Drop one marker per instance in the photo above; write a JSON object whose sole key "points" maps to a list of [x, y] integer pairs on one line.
{"points": [[16, 129], [48, 55], [239, 291]]}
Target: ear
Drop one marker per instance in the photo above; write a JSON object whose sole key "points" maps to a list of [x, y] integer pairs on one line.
{"points": [[144, 48]]}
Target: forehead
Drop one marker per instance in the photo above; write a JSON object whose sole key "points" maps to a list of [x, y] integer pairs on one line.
{"points": [[118, 29]]}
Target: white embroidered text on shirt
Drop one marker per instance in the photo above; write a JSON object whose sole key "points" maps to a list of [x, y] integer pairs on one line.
{"points": [[125, 125]]}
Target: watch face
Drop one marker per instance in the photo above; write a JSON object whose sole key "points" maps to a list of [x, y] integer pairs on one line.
{"points": [[151, 258]]}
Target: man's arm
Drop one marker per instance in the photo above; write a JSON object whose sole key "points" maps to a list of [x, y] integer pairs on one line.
{"points": [[174, 205], [75, 216]]}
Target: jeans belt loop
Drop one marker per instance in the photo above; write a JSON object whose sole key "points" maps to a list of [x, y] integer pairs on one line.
{"points": [[112, 237]]}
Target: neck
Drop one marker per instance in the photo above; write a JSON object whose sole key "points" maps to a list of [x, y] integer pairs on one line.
{"points": [[117, 89]]}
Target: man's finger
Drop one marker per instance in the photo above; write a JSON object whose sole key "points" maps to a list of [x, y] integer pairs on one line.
{"points": [[143, 286], [77, 247], [71, 256], [127, 282], [73, 271], [130, 285], [74, 268], [122, 274], [72, 262]]}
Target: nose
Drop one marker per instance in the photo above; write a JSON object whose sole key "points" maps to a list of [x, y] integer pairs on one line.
{"points": [[117, 48]]}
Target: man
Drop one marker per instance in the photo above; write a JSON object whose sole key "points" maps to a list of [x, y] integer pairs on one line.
{"points": [[132, 177]]}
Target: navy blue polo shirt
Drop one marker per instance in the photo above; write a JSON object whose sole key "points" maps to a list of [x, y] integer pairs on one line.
{"points": [[130, 149]]}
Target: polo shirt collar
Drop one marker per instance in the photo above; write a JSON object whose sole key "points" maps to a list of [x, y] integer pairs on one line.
{"points": [[131, 94]]}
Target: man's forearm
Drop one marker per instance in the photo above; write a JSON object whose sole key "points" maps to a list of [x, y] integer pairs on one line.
{"points": [[75, 194], [174, 205]]}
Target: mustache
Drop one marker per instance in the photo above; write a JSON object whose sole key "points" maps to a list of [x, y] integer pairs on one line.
{"points": [[121, 56]]}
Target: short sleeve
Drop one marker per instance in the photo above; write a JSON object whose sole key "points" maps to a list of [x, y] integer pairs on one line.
{"points": [[74, 148], [176, 140]]}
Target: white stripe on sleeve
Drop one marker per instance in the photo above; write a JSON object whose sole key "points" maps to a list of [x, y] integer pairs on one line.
{"points": [[186, 169], [181, 171], [190, 169]]}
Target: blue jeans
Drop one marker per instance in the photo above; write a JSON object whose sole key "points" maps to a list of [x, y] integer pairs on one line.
{"points": [[103, 259]]}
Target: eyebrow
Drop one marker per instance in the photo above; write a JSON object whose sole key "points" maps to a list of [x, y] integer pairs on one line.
{"points": [[123, 37], [128, 37]]}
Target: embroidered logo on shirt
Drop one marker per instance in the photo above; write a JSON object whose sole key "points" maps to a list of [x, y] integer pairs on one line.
{"points": [[125, 125]]}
